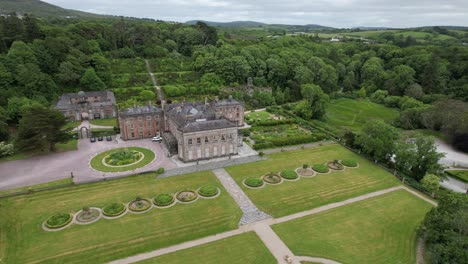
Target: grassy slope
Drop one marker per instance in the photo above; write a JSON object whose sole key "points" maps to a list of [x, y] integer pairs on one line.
{"points": [[240, 249], [40, 8], [23, 241], [308, 193], [378, 230], [353, 114]]}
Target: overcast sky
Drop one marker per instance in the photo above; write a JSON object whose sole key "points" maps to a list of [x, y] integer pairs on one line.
{"points": [[335, 13]]}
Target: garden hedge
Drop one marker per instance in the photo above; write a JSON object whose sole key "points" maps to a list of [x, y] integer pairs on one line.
{"points": [[113, 209], [289, 174], [253, 182], [321, 168], [59, 220], [208, 191], [349, 163], [163, 199]]}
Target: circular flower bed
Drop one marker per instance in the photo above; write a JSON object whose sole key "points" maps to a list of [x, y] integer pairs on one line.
{"points": [[123, 157], [349, 163], [253, 182], [307, 172], [320, 168], [163, 199], [335, 165], [87, 215], [272, 178], [186, 196], [139, 205], [208, 191], [289, 175], [58, 220], [113, 209], [132, 158]]}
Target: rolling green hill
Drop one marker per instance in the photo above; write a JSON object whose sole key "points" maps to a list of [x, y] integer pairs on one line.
{"points": [[40, 9]]}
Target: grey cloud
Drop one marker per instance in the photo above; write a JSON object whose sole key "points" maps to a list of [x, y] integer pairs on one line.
{"points": [[336, 13]]}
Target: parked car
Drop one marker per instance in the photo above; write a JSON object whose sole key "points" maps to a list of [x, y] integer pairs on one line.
{"points": [[93, 139], [156, 139], [100, 138], [109, 138]]}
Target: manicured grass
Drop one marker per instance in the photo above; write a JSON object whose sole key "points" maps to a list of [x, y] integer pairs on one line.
{"points": [[353, 114], [240, 249], [377, 230], [260, 116], [104, 122], [67, 181], [22, 239], [72, 144], [307, 193], [72, 124], [97, 164], [461, 175]]}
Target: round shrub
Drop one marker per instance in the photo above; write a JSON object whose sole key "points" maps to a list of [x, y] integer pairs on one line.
{"points": [[163, 199], [349, 163], [139, 205], [208, 191], [289, 174], [253, 182], [272, 178], [113, 209], [186, 196], [59, 220], [321, 168]]}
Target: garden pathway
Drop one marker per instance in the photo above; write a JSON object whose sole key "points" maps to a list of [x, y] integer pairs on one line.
{"points": [[153, 79], [251, 213], [263, 230]]}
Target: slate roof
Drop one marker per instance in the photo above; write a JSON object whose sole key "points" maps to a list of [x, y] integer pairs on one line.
{"points": [[140, 110], [107, 98]]}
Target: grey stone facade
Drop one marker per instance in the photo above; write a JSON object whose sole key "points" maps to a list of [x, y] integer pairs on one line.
{"points": [[87, 105]]}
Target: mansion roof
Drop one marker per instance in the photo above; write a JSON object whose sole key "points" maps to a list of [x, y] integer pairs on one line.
{"points": [[95, 98], [140, 110]]}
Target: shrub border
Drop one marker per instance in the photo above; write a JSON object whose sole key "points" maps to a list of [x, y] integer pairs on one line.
{"points": [[172, 203], [329, 170], [52, 229], [296, 179], [251, 187], [209, 197], [124, 212], [348, 166]]}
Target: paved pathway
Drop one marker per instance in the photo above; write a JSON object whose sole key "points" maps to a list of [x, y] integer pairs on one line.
{"points": [[153, 79], [420, 252], [266, 234], [251, 213]]}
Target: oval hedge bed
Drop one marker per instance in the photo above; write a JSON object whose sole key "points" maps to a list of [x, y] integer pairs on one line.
{"points": [[289, 175], [349, 163], [253, 182], [335, 165], [139, 205], [208, 191], [163, 199], [97, 161], [186, 196], [58, 220], [113, 209], [272, 178], [320, 168]]}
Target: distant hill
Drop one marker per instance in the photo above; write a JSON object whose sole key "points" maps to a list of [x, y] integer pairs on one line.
{"points": [[255, 24], [40, 9]]}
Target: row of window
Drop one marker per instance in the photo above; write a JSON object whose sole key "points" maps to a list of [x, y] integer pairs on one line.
{"points": [[207, 153], [148, 124], [212, 139], [140, 118]]}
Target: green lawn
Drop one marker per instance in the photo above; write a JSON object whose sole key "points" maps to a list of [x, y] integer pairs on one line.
{"points": [[38, 186], [461, 175], [377, 230], [240, 249], [22, 239], [104, 122], [60, 147], [97, 164], [258, 116], [352, 114], [307, 193], [72, 124]]}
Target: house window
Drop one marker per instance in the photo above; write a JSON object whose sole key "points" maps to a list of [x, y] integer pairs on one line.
{"points": [[190, 155], [198, 140], [223, 150], [131, 126], [207, 152], [223, 138], [215, 139], [140, 118], [148, 118], [231, 149], [199, 153], [148, 124], [133, 135], [190, 141], [141, 133], [238, 115], [206, 140], [215, 151]]}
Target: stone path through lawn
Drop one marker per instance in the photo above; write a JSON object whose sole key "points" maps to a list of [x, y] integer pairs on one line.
{"points": [[262, 228], [251, 213]]}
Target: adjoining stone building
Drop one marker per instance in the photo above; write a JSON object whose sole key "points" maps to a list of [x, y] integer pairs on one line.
{"points": [[87, 105], [193, 131]]}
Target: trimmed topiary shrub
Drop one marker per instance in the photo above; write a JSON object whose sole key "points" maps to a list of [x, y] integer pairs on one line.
{"points": [[113, 209], [160, 170], [139, 205], [208, 191], [321, 168], [163, 199], [272, 178], [186, 196], [349, 163], [289, 174], [58, 220], [253, 182]]}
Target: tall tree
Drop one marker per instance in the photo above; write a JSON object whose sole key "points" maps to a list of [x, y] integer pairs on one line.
{"points": [[316, 98], [91, 82], [31, 28], [377, 139], [41, 128]]}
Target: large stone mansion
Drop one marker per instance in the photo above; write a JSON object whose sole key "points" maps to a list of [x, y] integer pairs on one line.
{"points": [[87, 105], [193, 131]]}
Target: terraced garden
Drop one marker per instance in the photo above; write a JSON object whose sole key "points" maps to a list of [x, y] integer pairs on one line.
{"points": [[22, 239], [377, 230], [307, 193], [240, 249]]}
